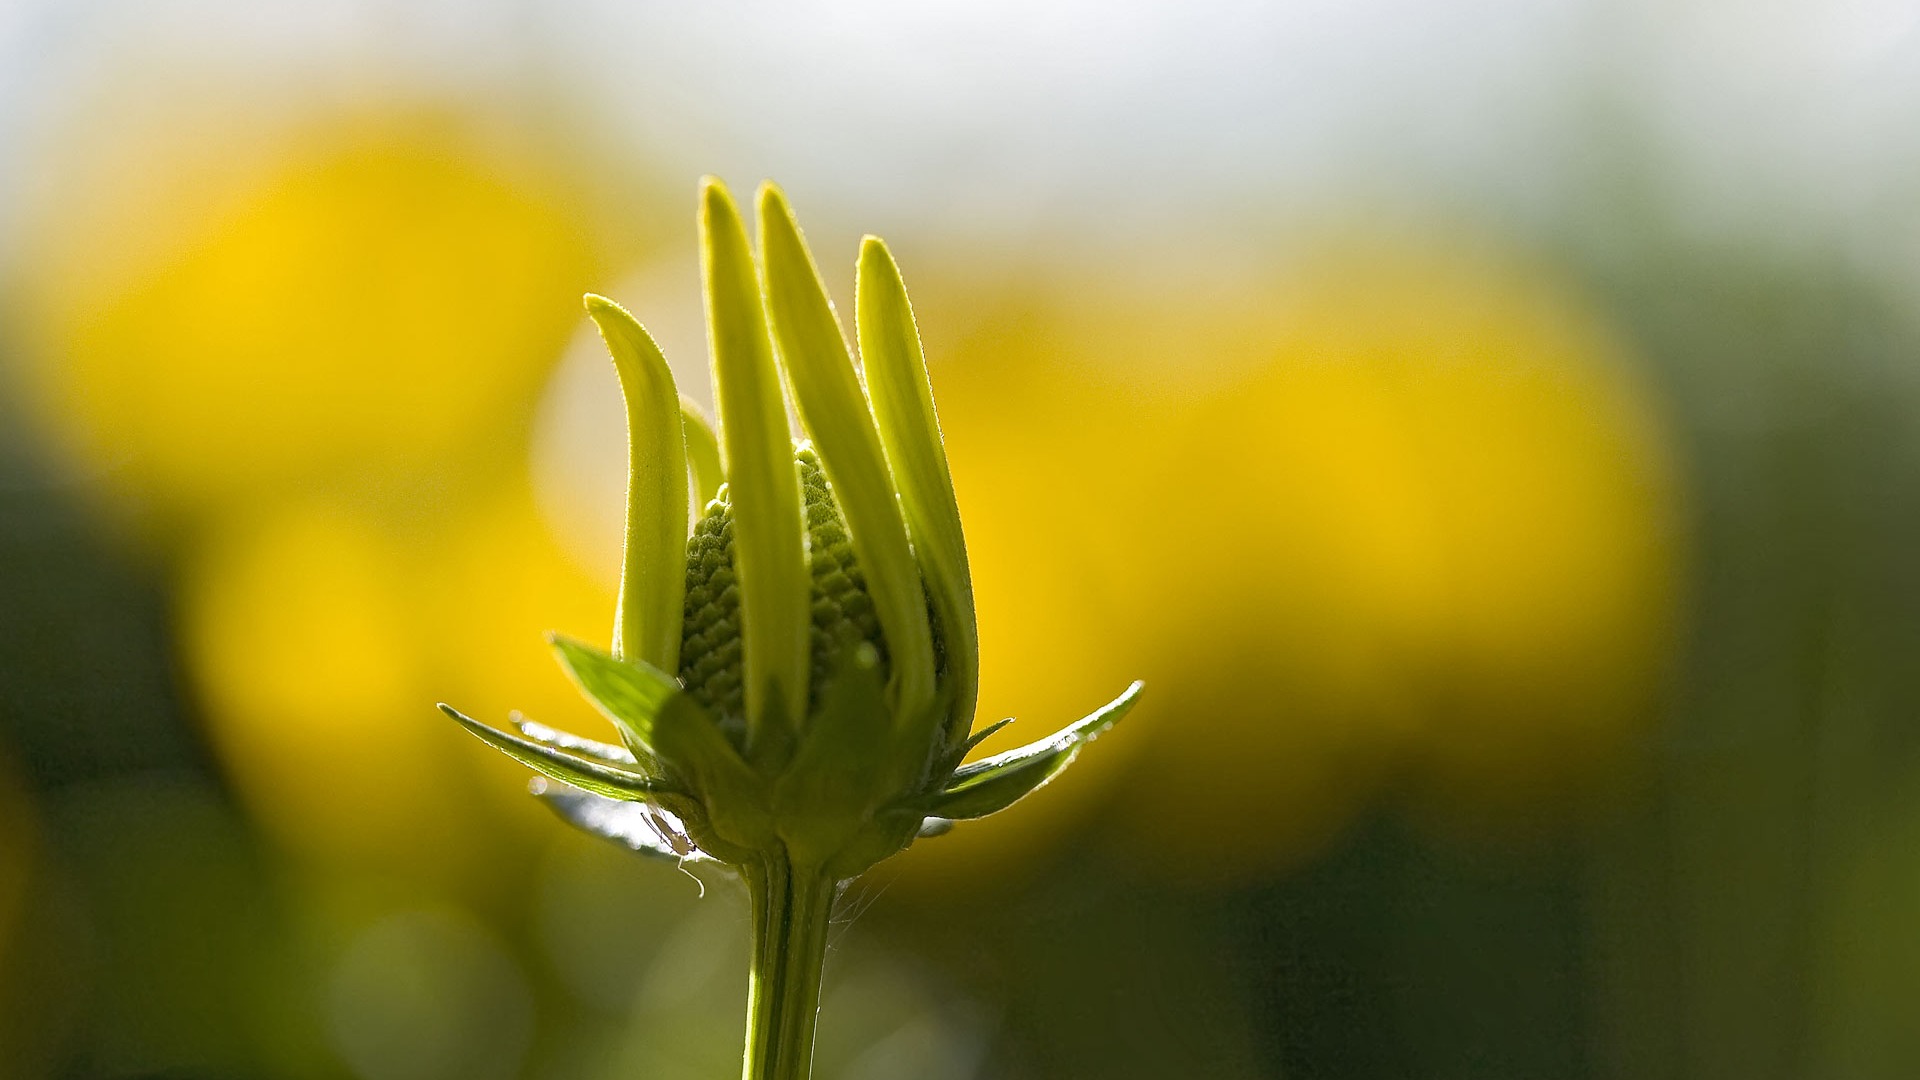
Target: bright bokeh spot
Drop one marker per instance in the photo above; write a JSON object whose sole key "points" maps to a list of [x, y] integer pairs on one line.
{"points": [[1452, 509], [296, 629], [373, 298], [1399, 514], [310, 352], [491, 585], [320, 640]]}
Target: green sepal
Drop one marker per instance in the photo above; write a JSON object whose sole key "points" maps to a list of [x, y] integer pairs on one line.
{"points": [[837, 804], [585, 773], [632, 825], [990, 786], [828, 790], [958, 754], [631, 693], [566, 740], [984, 734], [732, 796], [773, 749]]}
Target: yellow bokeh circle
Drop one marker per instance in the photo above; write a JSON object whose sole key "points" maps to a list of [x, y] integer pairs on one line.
{"points": [[297, 629], [1398, 519], [319, 640], [366, 298]]}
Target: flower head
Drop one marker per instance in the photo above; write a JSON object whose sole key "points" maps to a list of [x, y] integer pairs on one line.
{"points": [[796, 679]]}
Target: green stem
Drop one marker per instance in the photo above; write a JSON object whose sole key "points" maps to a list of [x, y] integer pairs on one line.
{"points": [[791, 905]]}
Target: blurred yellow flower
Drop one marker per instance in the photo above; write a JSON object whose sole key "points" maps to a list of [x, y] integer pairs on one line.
{"points": [[314, 634], [1413, 521], [309, 356], [375, 300], [297, 628]]}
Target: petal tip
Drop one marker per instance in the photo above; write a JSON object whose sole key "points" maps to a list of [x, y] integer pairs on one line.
{"points": [[715, 199], [772, 200]]}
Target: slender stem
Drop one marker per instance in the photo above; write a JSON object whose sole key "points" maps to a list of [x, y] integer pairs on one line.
{"points": [[791, 905]]}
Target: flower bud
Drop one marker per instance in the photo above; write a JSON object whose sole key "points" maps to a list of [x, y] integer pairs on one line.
{"points": [[794, 682]]}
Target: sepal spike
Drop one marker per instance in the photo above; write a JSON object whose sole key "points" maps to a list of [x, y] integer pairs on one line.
{"points": [[585, 773], [566, 740], [990, 786]]}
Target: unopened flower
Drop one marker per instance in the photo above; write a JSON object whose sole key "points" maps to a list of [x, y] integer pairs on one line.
{"points": [[794, 684]]}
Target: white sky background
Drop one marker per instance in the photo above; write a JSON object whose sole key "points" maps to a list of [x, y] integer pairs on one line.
{"points": [[1003, 117]]}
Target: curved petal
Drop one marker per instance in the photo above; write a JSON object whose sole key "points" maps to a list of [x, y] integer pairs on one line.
{"points": [[653, 577], [834, 410], [763, 484], [903, 405]]}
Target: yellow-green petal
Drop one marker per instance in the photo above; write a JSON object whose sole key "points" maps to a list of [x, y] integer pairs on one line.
{"points": [[909, 429], [763, 484], [833, 408], [653, 576], [703, 454]]}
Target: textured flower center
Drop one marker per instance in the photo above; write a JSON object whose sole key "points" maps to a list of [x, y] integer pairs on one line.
{"points": [[843, 613]]}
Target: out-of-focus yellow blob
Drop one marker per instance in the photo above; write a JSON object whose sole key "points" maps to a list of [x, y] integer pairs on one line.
{"points": [[371, 298], [493, 584], [1398, 517], [1448, 493], [320, 639], [298, 632]]}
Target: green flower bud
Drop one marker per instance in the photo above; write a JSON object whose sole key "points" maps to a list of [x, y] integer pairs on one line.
{"points": [[794, 682]]}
